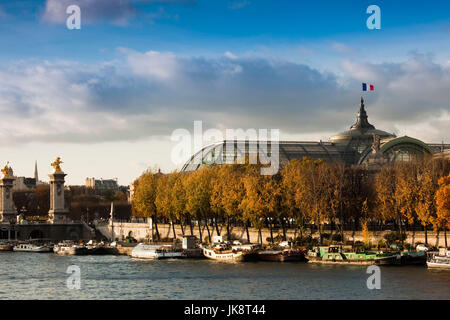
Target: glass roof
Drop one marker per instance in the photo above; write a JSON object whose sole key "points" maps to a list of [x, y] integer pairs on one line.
{"points": [[236, 151]]}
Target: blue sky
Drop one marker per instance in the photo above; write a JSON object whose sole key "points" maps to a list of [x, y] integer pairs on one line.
{"points": [[139, 69]]}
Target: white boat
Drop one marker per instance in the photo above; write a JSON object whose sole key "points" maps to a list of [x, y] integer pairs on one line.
{"points": [[70, 249], [439, 260], [152, 251], [223, 252], [30, 247]]}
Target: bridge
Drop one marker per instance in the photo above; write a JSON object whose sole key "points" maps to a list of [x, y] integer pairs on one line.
{"points": [[53, 232]]}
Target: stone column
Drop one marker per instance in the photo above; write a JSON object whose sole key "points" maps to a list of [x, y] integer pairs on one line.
{"points": [[8, 212], [58, 212]]}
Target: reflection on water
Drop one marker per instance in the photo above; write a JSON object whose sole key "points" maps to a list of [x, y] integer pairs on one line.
{"points": [[43, 276]]}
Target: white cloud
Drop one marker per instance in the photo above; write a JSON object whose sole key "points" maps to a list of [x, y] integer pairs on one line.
{"points": [[230, 55], [152, 93], [154, 64]]}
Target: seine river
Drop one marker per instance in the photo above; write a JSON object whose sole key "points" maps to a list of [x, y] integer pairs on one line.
{"points": [[43, 276]]}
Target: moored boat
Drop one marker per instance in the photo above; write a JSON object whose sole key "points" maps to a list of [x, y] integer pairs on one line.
{"points": [[100, 248], [249, 250], [439, 259], [223, 252], [412, 258], [5, 246], [335, 255], [71, 249], [31, 247], [151, 251], [285, 255]]}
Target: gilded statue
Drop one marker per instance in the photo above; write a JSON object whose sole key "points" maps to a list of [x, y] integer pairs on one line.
{"points": [[56, 164], [7, 172]]}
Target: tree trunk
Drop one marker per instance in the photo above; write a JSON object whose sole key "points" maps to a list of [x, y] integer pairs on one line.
{"points": [[182, 227], [445, 237], [271, 232], [246, 230], [200, 230], [191, 226], [173, 229], [207, 229], [228, 227], [437, 238], [283, 226], [217, 227], [400, 229], [426, 234], [353, 231], [318, 229], [156, 227], [260, 236]]}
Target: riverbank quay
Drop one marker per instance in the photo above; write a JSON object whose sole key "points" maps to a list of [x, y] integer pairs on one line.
{"points": [[142, 231]]}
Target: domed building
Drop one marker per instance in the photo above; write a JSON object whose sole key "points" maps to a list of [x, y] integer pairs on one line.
{"points": [[362, 144]]}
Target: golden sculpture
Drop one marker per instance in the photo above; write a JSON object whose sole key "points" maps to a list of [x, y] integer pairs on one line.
{"points": [[6, 170], [56, 164]]}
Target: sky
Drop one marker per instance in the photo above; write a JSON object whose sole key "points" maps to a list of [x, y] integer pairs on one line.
{"points": [[107, 98]]}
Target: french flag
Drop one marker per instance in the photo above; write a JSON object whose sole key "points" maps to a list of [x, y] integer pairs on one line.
{"points": [[364, 87]]}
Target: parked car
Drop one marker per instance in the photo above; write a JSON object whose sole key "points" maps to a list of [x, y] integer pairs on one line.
{"points": [[422, 247]]}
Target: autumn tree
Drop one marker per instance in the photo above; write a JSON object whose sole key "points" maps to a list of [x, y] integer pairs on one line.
{"points": [[387, 202], [198, 196], [145, 196], [406, 192], [443, 205], [178, 198]]}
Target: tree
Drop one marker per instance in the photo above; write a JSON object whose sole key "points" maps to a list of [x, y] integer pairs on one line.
{"points": [[252, 204], [145, 196], [198, 192], [443, 205], [163, 200], [387, 202], [406, 192], [178, 197], [426, 205]]}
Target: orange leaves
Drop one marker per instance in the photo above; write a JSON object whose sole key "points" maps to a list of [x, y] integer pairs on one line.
{"points": [[443, 202]]}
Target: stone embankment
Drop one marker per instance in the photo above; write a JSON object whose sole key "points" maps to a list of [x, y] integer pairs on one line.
{"points": [[141, 231]]}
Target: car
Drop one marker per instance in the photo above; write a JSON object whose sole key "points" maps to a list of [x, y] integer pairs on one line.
{"points": [[422, 247]]}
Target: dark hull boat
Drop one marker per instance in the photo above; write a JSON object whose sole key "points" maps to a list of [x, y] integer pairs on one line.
{"points": [[412, 258], [6, 247], [282, 256], [101, 250], [251, 256]]}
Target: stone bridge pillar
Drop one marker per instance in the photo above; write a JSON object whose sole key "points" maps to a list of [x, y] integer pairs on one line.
{"points": [[8, 212], [58, 212]]}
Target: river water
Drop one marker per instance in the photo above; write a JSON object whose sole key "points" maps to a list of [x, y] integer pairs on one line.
{"points": [[43, 276]]}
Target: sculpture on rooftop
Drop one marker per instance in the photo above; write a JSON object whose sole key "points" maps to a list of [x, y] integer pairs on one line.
{"points": [[376, 144]]}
